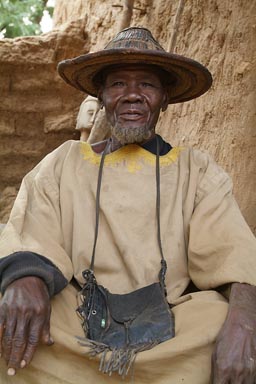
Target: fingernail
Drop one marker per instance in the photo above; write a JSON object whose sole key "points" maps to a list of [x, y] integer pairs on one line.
{"points": [[23, 364], [11, 372], [50, 341]]}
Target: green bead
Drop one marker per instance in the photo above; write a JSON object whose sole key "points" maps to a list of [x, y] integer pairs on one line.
{"points": [[103, 323]]}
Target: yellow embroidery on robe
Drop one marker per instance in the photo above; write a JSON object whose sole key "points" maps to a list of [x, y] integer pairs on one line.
{"points": [[132, 155]]}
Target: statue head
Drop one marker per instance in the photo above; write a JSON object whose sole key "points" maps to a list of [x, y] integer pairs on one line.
{"points": [[87, 114]]}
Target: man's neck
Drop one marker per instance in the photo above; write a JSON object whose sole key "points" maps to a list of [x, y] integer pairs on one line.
{"points": [[149, 145], [115, 143]]}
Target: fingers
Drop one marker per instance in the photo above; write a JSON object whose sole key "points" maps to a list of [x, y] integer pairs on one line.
{"points": [[24, 344], [33, 340], [238, 374], [8, 337], [20, 340], [46, 336]]}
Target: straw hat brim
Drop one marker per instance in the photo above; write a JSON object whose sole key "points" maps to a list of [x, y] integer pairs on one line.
{"points": [[191, 78]]}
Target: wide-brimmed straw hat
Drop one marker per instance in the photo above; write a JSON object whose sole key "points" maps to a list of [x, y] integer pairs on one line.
{"points": [[186, 79]]}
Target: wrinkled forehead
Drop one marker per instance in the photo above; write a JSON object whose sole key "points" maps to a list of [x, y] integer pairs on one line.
{"points": [[145, 69], [152, 69]]}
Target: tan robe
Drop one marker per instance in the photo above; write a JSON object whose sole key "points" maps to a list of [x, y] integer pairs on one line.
{"points": [[204, 239]]}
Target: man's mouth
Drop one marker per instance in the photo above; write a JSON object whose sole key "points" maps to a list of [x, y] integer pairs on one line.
{"points": [[131, 114]]}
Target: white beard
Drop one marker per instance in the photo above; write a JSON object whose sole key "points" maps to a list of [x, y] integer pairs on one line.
{"points": [[131, 135]]}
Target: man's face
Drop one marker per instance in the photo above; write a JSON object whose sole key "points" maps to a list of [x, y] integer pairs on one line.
{"points": [[133, 97]]}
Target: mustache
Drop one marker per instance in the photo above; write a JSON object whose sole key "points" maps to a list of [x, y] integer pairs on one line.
{"points": [[133, 108]]}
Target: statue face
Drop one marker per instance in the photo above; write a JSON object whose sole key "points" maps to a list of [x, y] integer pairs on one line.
{"points": [[87, 114]]}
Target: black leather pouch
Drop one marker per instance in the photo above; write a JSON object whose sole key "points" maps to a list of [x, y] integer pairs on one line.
{"points": [[123, 324]]}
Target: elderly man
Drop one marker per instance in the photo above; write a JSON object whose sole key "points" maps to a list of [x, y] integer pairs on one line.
{"points": [[141, 201]]}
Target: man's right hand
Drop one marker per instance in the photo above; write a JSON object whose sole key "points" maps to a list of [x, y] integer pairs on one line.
{"points": [[25, 311]]}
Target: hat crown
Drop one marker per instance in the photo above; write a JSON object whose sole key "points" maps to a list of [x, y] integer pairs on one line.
{"points": [[185, 78], [134, 38]]}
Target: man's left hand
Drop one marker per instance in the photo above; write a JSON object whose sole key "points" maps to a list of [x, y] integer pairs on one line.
{"points": [[234, 356]]}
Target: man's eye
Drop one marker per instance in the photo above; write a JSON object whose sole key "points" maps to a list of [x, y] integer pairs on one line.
{"points": [[147, 85], [118, 84]]}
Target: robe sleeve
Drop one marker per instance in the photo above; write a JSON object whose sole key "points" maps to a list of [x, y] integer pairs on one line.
{"points": [[35, 222], [22, 264], [222, 248]]}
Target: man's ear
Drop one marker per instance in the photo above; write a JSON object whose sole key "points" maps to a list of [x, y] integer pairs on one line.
{"points": [[99, 95], [165, 102]]}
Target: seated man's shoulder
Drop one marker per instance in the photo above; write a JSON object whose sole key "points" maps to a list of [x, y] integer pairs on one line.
{"points": [[64, 150]]}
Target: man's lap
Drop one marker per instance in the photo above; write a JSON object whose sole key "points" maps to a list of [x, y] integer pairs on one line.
{"points": [[183, 359]]}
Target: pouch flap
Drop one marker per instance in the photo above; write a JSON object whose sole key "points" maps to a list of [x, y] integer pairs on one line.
{"points": [[126, 307]]}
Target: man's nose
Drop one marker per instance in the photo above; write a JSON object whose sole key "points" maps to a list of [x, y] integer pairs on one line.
{"points": [[133, 94]]}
